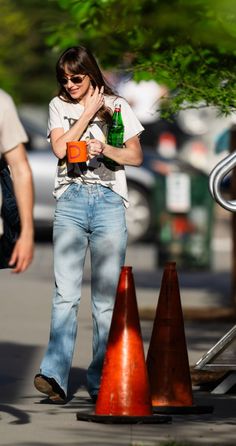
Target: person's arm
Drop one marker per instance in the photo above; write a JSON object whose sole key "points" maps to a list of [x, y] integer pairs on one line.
{"points": [[59, 138], [131, 154], [22, 254]]}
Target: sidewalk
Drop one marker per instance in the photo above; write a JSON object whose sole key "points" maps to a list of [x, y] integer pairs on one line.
{"points": [[25, 420]]}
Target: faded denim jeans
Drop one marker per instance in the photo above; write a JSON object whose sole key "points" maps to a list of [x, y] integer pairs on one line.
{"points": [[86, 216]]}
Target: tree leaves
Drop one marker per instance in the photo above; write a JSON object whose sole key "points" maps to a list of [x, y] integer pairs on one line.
{"points": [[188, 46]]}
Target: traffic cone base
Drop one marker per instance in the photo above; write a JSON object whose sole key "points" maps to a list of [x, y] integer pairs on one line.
{"points": [[112, 419]]}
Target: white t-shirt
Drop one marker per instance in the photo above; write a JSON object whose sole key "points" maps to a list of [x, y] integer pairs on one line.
{"points": [[12, 132], [63, 115]]}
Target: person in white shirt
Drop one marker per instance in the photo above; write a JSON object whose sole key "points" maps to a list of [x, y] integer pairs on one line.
{"points": [[12, 151], [91, 199]]}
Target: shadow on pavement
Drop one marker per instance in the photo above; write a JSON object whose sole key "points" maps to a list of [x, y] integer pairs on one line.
{"points": [[16, 360], [21, 416], [16, 369]]}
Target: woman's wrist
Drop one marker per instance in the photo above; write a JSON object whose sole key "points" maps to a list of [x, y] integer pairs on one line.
{"points": [[88, 116]]}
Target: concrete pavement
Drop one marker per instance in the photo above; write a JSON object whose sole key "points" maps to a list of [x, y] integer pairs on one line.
{"points": [[25, 419]]}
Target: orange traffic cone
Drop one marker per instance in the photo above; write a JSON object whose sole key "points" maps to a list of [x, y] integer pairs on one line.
{"points": [[167, 359], [124, 395]]}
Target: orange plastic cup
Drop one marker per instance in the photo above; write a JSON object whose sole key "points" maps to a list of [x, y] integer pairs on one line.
{"points": [[77, 151]]}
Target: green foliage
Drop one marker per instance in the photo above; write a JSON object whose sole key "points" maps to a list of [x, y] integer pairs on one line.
{"points": [[13, 28], [27, 64], [188, 46]]}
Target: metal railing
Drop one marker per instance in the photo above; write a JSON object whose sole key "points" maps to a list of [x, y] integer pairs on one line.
{"points": [[216, 177]]}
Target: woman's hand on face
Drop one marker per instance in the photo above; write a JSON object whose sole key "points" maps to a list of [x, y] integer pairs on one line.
{"points": [[95, 148], [94, 100]]}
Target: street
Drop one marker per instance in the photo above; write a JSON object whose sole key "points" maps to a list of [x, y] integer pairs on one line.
{"points": [[24, 321]]}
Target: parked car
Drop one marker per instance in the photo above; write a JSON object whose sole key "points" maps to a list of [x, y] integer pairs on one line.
{"points": [[43, 163]]}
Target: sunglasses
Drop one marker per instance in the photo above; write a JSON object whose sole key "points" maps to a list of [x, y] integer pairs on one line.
{"points": [[74, 79]]}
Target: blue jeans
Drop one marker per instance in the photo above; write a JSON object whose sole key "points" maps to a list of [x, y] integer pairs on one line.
{"points": [[94, 216]]}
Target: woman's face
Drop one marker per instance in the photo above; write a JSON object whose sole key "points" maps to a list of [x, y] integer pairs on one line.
{"points": [[77, 85]]}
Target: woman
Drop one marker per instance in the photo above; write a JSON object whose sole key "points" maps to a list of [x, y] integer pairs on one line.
{"points": [[90, 212]]}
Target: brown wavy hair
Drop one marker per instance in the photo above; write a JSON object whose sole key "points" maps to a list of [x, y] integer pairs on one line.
{"points": [[80, 60]]}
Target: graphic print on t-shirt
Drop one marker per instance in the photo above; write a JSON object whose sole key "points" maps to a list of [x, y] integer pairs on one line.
{"points": [[94, 168]]}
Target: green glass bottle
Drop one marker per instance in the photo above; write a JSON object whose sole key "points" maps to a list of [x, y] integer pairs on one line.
{"points": [[115, 136]]}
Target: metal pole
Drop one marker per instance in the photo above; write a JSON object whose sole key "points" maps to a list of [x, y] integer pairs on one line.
{"points": [[216, 177]]}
